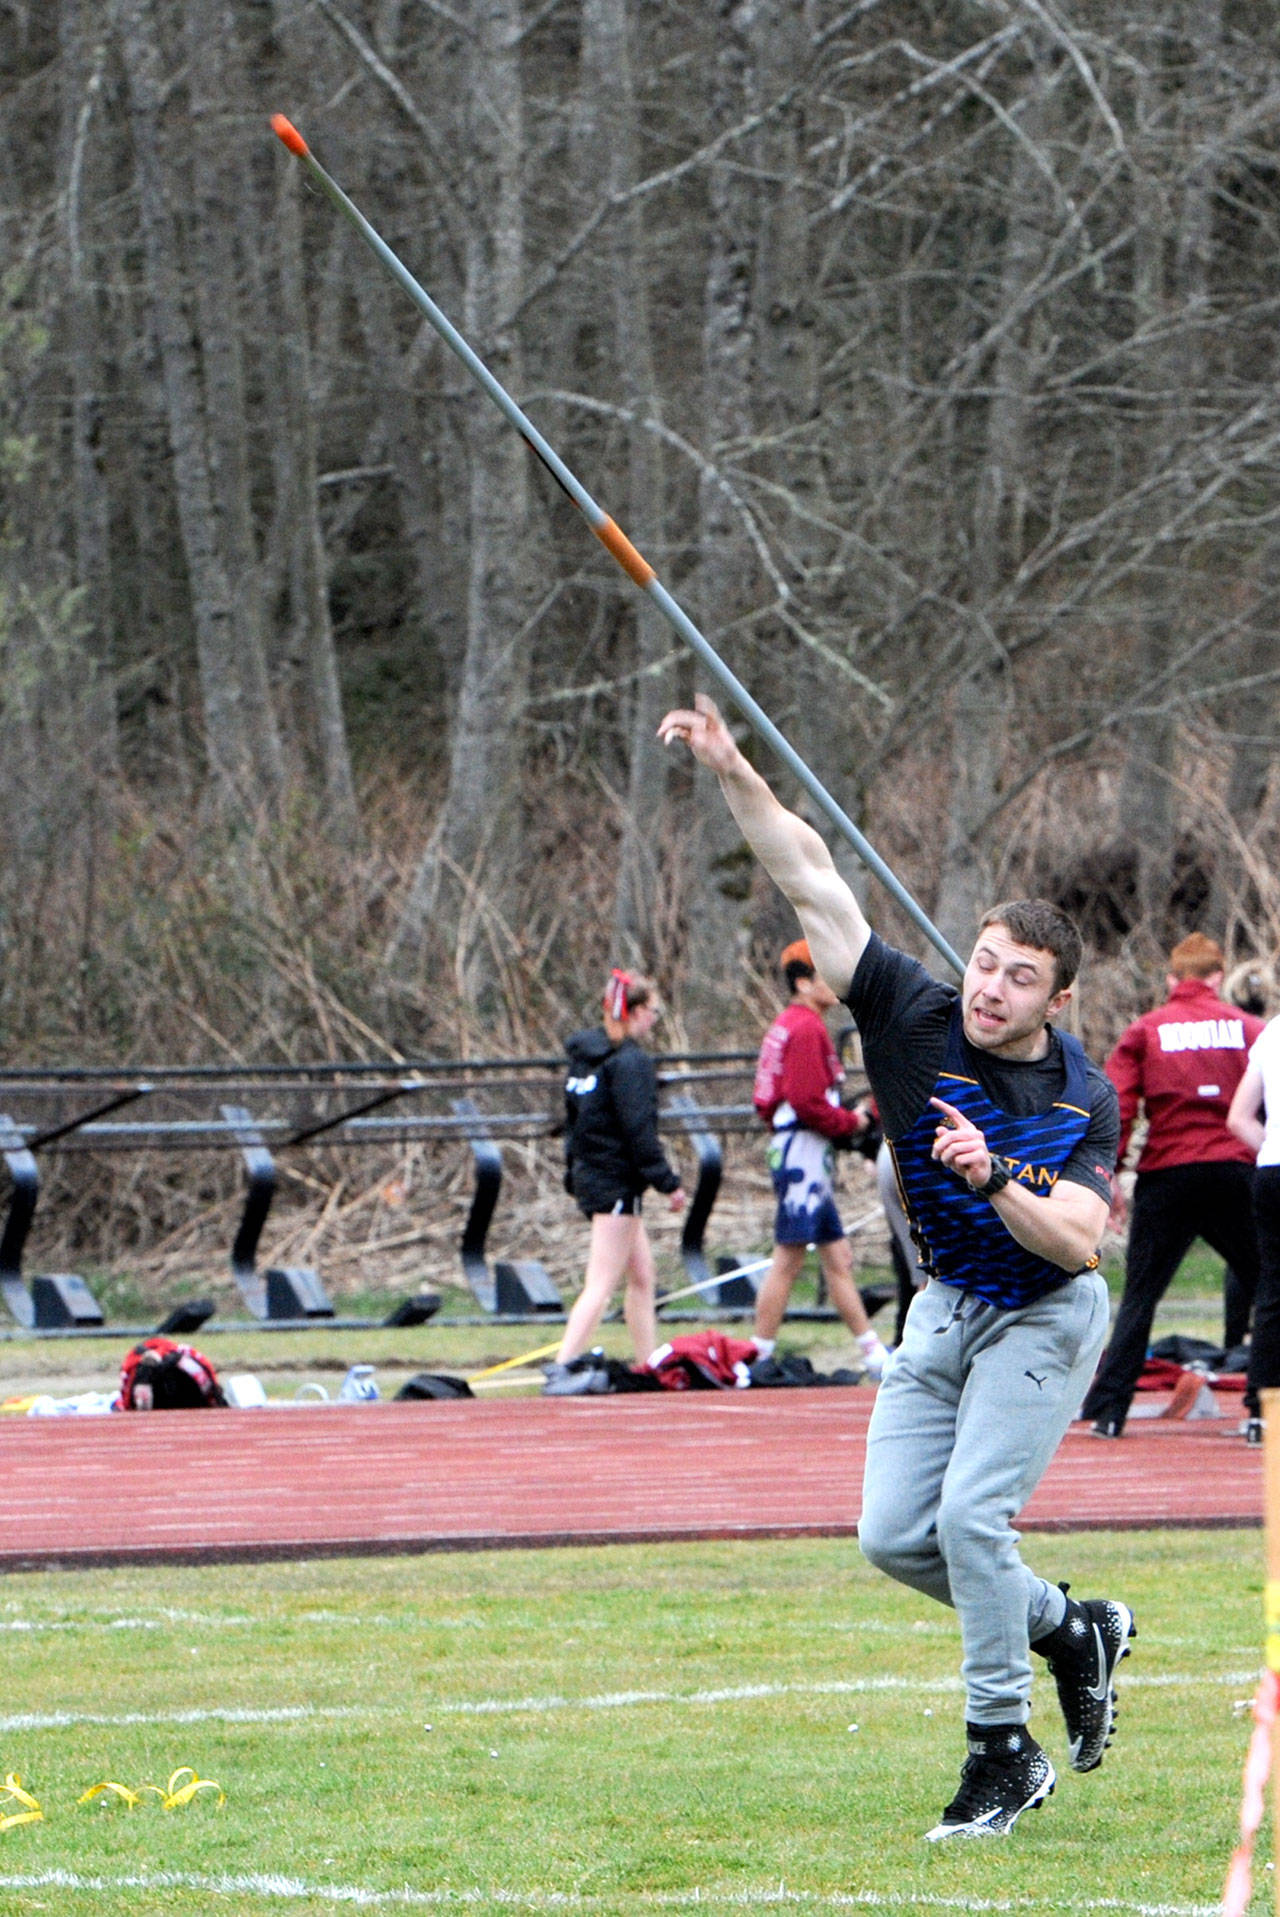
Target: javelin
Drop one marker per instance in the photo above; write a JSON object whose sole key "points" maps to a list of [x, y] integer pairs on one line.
{"points": [[612, 537]]}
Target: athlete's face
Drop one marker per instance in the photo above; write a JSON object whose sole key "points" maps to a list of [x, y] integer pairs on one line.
{"points": [[642, 1019], [1008, 994], [816, 992]]}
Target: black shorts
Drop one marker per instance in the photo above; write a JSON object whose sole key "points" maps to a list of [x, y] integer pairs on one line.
{"points": [[614, 1200]]}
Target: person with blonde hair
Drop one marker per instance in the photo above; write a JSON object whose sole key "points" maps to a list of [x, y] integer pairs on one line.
{"points": [[612, 1156], [1252, 986], [1179, 1064]]}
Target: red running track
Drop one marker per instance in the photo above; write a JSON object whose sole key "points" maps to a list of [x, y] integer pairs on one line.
{"points": [[340, 1479]]}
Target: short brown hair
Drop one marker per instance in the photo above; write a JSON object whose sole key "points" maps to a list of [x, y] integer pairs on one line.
{"points": [[1196, 957], [796, 962], [1045, 928]]}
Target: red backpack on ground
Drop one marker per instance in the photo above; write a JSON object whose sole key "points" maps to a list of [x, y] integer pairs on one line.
{"points": [[703, 1361], [159, 1375]]}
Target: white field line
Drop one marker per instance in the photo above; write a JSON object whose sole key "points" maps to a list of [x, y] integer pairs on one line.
{"points": [[777, 1896], [943, 1627], [281, 1714], [607, 1701], [214, 1621], [75, 1624], [746, 1693]]}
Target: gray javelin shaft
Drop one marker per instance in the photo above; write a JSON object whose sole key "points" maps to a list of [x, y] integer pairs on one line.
{"points": [[611, 536]]}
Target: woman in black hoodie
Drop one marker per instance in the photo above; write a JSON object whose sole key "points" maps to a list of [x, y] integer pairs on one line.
{"points": [[612, 1152]]}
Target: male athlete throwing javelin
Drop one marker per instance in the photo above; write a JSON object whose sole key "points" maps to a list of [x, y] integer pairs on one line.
{"points": [[1004, 1135]]}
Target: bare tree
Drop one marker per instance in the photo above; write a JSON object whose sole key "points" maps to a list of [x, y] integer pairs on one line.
{"points": [[982, 702], [470, 868], [719, 918], [241, 754], [308, 582], [607, 141]]}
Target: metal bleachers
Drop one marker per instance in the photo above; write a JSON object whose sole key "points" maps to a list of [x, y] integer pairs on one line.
{"points": [[267, 1111]]}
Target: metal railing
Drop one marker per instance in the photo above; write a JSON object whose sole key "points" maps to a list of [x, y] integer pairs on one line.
{"points": [[262, 1111]]}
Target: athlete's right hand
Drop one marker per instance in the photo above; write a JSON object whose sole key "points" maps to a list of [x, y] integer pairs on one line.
{"points": [[1119, 1213], [704, 732]]}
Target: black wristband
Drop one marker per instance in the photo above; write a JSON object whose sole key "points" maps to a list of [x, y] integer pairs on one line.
{"points": [[1001, 1174]]}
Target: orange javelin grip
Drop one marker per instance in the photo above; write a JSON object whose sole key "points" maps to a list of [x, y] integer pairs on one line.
{"points": [[633, 563], [285, 130]]}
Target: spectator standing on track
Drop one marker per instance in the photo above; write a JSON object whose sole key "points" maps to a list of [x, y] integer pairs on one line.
{"points": [[1254, 1117], [1004, 1136], [1180, 1064], [1250, 984], [797, 1093], [612, 1154]]}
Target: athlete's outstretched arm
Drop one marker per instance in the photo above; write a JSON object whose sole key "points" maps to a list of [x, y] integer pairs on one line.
{"points": [[791, 852]]}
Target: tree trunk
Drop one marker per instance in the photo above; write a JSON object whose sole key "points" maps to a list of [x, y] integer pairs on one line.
{"points": [[311, 625], [82, 64], [982, 703], [469, 873], [720, 868], [220, 189], [814, 706], [240, 780], [1172, 293], [607, 158]]}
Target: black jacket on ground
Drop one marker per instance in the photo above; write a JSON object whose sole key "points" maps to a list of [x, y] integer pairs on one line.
{"points": [[611, 1143]]}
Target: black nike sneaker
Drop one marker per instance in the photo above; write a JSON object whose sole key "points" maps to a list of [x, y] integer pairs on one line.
{"points": [[1083, 1654], [1005, 1773]]}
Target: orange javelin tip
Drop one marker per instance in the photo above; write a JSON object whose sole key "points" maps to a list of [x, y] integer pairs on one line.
{"points": [[285, 130]]}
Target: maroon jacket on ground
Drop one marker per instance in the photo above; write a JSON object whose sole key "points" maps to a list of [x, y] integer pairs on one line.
{"points": [[1182, 1062], [798, 1067]]}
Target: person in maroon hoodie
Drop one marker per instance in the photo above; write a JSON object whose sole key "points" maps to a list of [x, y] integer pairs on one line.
{"points": [[797, 1093], [1181, 1063]]}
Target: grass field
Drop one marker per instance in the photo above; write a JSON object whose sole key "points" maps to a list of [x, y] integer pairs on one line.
{"points": [[622, 1729]]}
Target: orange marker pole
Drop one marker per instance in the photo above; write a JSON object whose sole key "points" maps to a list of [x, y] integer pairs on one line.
{"points": [[615, 541]]}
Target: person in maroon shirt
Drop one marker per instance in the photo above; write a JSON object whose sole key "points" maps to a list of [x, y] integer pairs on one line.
{"points": [[797, 1093], [1181, 1064]]}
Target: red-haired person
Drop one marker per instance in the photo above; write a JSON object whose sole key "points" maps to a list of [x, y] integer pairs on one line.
{"points": [[797, 1093], [1178, 1064], [612, 1155]]}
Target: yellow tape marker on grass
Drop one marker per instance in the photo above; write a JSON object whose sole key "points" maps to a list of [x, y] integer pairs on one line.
{"points": [[181, 1789], [175, 1795], [13, 1792], [122, 1791]]}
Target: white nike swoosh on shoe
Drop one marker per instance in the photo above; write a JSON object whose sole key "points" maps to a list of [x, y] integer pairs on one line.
{"points": [[977, 1827], [1101, 1690]]}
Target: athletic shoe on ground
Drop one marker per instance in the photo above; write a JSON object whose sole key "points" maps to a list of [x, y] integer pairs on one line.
{"points": [[1005, 1773], [1106, 1428], [580, 1378], [1253, 1430], [875, 1359], [1083, 1654]]}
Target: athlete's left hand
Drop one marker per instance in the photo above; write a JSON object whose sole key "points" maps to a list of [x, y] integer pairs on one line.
{"points": [[960, 1146]]}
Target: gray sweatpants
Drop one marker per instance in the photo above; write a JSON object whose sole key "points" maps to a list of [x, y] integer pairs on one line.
{"points": [[973, 1406]]}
